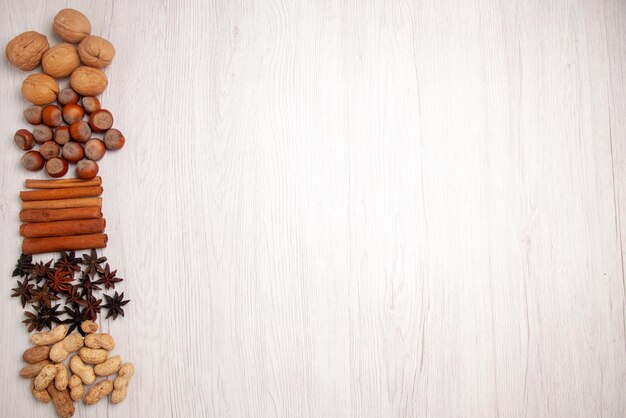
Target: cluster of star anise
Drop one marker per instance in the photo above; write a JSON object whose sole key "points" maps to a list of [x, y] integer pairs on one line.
{"points": [[72, 282]]}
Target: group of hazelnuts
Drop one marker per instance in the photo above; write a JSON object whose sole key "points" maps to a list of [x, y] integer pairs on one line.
{"points": [[65, 119]]}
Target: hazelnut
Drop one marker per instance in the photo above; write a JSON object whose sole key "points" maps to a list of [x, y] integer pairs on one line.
{"points": [[24, 139], [96, 51], [73, 152], [73, 113], [60, 60], [56, 167], [51, 116], [71, 25], [114, 140], [62, 135], [67, 96], [25, 50], [32, 161], [101, 120], [88, 81], [32, 114], [80, 131], [86, 169], [94, 149], [42, 133], [49, 150], [91, 104], [40, 89]]}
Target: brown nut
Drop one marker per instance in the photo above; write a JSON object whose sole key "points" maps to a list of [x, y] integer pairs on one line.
{"points": [[91, 104], [95, 149], [109, 367], [67, 96], [96, 51], [121, 383], [83, 371], [62, 135], [45, 376], [32, 161], [61, 379], [73, 152], [80, 131], [72, 113], [42, 133], [62, 401], [26, 49], [101, 120], [71, 25], [87, 169], [32, 114], [56, 167], [100, 341], [40, 395], [93, 355], [32, 370], [76, 387], [114, 140], [88, 81], [60, 60], [51, 116], [49, 150], [40, 89], [36, 354], [98, 391], [67, 345], [24, 139], [55, 335], [89, 327]]}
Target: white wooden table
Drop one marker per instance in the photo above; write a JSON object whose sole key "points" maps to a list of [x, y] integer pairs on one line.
{"points": [[353, 208]]}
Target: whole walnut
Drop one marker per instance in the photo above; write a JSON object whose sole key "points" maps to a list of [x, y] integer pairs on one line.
{"points": [[88, 81], [96, 51], [40, 89], [25, 50], [71, 25], [60, 60]]}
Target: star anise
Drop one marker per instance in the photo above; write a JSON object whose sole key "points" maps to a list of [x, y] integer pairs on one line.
{"points": [[24, 266], [23, 291], [43, 318], [87, 285], [73, 297], [68, 262], [93, 308], [60, 281], [108, 278], [41, 271], [43, 295], [76, 316], [114, 305], [93, 263]]}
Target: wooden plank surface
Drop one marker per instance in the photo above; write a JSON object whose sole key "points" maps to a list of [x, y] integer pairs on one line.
{"points": [[354, 209]]}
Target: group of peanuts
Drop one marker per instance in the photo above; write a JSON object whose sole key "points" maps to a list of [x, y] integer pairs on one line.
{"points": [[50, 377]]}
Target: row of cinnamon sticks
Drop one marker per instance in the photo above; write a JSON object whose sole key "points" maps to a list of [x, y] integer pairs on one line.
{"points": [[62, 214]]}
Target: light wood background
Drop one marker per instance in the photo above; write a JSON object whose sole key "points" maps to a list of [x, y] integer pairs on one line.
{"points": [[354, 208]]}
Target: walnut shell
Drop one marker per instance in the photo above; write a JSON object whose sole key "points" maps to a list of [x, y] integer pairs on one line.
{"points": [[60, 60], [88, 81], [96, 51], [71, 25], [40, 89], [25, 50]]}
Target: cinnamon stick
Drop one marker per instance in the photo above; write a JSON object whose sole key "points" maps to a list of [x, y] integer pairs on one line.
{"points": [[62, 183], [63, 193], [52, 215], [61, 228], [53, 244], [63, 203]]}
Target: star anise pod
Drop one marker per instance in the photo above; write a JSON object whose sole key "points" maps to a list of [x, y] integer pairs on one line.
{"points": [[108, 278], [76, 316], [60, 281], [68, 262], [24, 266], [114, 305], [23, 291], [43, 295], [41, 271], [87, 285], [93, 263], [74, 298], [43, 317], [93, 308]]}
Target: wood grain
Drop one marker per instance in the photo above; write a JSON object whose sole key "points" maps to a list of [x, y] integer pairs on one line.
{"points": [[354, 209]]}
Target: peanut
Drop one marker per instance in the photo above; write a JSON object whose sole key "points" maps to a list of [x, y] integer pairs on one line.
{"points": [[32, 370], [61, 379], [62, 401], [83, 371], [109, 367], [98, 391], [45, 376], [76, 387], [40, 395], [36, 354], [67, 345], [89, 327], [121, 383], [50, 337], [100, 341], [93, 355]]}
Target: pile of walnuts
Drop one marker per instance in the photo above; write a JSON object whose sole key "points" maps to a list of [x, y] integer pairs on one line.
{"points": [[83, 65]]}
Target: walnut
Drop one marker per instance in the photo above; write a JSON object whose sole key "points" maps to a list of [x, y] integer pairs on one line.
{"points": [[60, 60], [71, 25], [96, 51], [25, 50], [40, 89], [88, 81]]}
